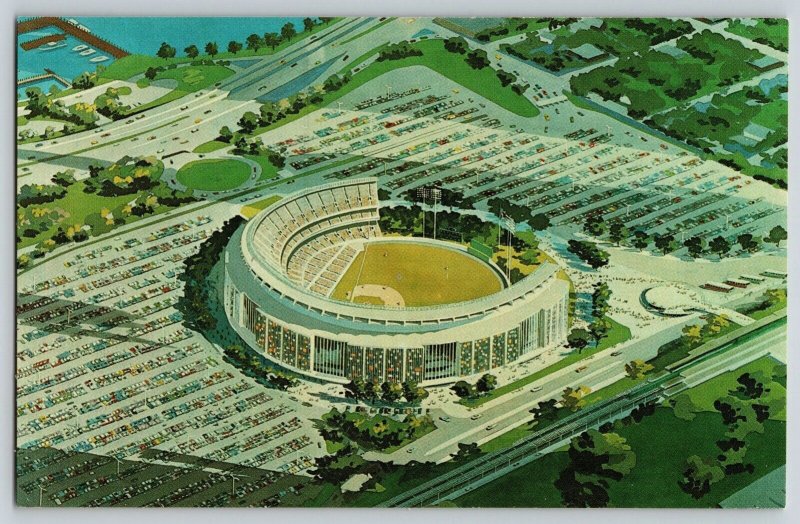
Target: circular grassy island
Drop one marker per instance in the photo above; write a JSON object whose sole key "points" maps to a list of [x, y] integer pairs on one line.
{"points": [[214, 175]]}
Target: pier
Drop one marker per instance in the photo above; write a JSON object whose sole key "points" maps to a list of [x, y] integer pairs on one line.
{"points": [[68, 28], [39, 42]]}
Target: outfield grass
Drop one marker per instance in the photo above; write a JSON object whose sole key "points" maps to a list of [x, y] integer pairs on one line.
{"points": [[619, 333], [214, 175], [250, 210], [424, 275]]}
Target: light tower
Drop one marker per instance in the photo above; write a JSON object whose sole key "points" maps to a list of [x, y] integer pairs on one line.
{"points": [[433, 193], [511, 226]]}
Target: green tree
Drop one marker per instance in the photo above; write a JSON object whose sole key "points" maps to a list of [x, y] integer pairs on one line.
{"points": [[150, 73], [618, 232], [211, 49], [254, 42], [637, 369], [747, 242], [288, 31], [234, 47], [356, 389], [695, 245], [463, 389], [308, 24], [248, 122], [594, 225], [412, 392], [466, 451], [776, 235], [225, 134], [539, 222], [165, 51], [578, 339], [720, 246], [599, 329], [573, 398], [272, 40], [683, 407], [391, 391], [456, 44], [600, 298], [665, 243], [698, 476], [595, 459], [477, 59], [486, 383], [641, 239], [191, 51], [546, 410]]}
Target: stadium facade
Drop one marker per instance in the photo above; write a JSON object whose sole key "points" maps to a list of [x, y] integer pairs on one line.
{"points": [[281, 266]]}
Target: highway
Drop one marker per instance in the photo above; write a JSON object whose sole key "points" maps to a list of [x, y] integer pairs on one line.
{"points": [[493, 465]]}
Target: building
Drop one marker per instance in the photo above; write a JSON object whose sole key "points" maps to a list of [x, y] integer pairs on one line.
{"points": [[281, 267]]}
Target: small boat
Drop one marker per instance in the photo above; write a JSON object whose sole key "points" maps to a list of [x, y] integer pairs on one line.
{"points": [[88, 52], [80, 47], [101, 58], [84, 28], [52, 45]]}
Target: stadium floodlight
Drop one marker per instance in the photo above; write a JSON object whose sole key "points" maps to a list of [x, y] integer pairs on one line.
{"points": [[426, 193], [511, 226], [41, 494]]}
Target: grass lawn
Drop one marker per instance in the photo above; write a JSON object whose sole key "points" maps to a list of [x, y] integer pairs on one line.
{"points": [[483, 82], [250, 210], [268, 171], [214, 175], [619, 333], [423, 275], [211, 146], [662, 443], [78, 205], [190, 79], [704, 396]]}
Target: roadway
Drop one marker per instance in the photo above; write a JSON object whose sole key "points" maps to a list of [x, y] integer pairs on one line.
{"points": [[494, 465]]}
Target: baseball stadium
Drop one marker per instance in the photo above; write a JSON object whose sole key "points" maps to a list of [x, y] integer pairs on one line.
{"points": [[313, 284]]}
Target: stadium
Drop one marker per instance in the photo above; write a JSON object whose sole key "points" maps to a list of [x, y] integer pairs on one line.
{"points": [[313, 285]]}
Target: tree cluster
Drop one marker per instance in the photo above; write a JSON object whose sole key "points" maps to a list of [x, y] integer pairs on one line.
{"points": [[485, 384], [589, 253], [389, 392]]}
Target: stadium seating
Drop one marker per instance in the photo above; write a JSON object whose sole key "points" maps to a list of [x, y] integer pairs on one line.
{"points": [[314, 237]]}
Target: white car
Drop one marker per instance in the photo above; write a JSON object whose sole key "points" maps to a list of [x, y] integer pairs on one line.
{"points": [[536, 389]]}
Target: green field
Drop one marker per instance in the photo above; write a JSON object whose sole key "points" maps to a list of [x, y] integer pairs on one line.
{"points": [[424, 275], [210, 147], [662, 443], [214, 175]]}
